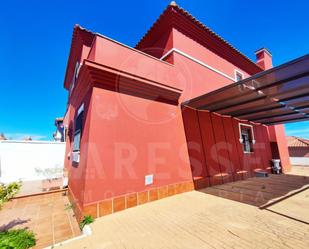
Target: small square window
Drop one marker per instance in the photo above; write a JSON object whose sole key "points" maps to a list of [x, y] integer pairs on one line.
{"points": [[238, 76]]}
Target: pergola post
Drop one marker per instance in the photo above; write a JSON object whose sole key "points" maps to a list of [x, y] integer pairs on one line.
{"points": [[279, 147]]}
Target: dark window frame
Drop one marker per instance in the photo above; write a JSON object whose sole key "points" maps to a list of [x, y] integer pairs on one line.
{"points": [[246, 134], [238, 76], [78, 131], [75, 76]]}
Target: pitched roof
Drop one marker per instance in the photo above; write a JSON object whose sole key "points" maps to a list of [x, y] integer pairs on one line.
{"points": [[172, 9], [297, 142], [80, 36]]}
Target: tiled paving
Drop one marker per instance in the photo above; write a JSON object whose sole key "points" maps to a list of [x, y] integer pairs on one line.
{"points": [[300, 170], [293, 206], [30, 187], [261, 191], [200, 220], [47, 215]]}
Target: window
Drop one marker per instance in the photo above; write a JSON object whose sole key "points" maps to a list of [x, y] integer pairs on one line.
{"points": [[78, 128], [246, 138], [238, 76], [76, 71]]}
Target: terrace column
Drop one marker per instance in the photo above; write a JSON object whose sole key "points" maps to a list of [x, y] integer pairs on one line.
{"points": [[276, 133]]}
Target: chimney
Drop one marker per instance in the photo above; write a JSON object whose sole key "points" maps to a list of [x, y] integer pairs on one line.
{"points": [[264, 58]]}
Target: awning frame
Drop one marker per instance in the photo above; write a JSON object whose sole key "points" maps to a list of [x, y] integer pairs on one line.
{"points": [[277, 95]]}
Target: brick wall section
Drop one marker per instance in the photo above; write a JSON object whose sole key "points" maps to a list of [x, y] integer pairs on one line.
{"points": [[123, 202]]}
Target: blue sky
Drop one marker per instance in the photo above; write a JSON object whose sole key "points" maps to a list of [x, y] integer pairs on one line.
{"points": [[36, 36]]}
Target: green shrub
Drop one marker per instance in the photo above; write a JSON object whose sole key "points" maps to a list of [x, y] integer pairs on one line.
{"points": [[8, 191], [17, 239], [88, 219]]}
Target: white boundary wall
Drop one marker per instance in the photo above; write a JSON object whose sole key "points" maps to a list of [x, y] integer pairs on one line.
{"points": [[20, 159], [302, 161]]}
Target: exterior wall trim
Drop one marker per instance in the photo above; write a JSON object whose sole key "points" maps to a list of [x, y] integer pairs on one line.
{"points": [[197, 61], [97, 74]]}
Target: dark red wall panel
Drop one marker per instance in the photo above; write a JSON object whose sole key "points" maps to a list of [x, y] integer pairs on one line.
{"points": [[260, 147], [243, 163], [209, 143], [257, 147], [232, 141], [194, 143], [221, 145], [267, 144]]}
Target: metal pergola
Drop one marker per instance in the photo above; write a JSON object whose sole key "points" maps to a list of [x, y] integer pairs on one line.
{"points": [[275, 96]]}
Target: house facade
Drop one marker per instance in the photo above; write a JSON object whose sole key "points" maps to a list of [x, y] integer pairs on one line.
{"points": [[131, 137], [298, 150]]}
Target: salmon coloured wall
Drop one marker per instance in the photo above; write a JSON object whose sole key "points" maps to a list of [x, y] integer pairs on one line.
{"points": [[130, 138], [77, 171], [191, 47], [279, 146]]}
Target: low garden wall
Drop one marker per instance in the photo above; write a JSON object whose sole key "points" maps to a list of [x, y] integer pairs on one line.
{"points": [[302, 161], [30, 160]]}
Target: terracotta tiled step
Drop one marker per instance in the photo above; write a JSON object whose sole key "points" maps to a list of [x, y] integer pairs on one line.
{"points": [[46, 215]]}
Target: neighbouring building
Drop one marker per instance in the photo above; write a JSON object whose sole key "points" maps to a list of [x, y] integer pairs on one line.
{"points": [[59, 134], [298, 150], [183, 109], [2, 137]]}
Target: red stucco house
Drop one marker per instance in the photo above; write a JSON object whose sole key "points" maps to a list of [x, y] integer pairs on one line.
{"points": [[133, 132]]}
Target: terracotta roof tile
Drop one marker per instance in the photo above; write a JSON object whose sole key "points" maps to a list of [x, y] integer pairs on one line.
{"points": [[297, 142]]}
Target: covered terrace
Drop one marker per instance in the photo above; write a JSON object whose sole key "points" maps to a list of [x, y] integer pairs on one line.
{"points": [[275, 96]]}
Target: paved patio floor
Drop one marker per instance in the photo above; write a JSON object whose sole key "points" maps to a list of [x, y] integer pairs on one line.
{"points": [[46, 215], [263, 191], [200, 220]]}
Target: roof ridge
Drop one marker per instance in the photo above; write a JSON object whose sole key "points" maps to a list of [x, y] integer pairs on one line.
{"points": [[296, 139], [173, 5], [213, 33], [154, 24], [303, 140]]}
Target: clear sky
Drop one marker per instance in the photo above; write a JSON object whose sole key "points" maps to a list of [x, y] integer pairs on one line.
{"points": [[36, 36]]}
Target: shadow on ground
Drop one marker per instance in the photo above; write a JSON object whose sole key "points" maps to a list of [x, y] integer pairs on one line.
{"points": [[261, 191], [12, 224]]}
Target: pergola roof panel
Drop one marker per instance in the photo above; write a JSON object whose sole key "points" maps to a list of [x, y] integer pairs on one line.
{"points": [[274, 96]]}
